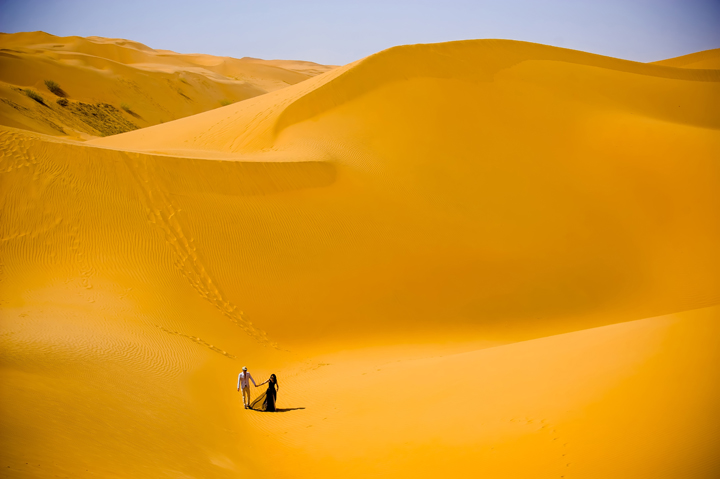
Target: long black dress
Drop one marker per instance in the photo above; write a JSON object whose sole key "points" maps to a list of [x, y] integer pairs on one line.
{"points": [[266, 401]]}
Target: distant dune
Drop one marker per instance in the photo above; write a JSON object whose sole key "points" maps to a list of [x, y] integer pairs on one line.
{"points": [[113, 85], [486, 258], [708, 59]]}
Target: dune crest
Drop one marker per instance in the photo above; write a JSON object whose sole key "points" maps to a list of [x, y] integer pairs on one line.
{"points": [[254, 125], [453, 256], [708, 60]]}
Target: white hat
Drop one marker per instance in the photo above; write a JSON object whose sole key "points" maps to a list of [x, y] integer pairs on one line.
{"points": [[244, 368]]}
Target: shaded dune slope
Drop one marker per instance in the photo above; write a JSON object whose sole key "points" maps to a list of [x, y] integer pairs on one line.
{"points": [[548, 183], [509, 218]]}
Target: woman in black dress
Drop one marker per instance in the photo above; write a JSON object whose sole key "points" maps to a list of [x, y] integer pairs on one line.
{"points": [[266, 401]]}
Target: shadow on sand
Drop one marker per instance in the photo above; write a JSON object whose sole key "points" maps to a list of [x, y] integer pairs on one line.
{"points": [[281, 409]]}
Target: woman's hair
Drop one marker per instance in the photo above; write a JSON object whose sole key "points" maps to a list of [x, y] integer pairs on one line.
{"points": [[273, 379]]}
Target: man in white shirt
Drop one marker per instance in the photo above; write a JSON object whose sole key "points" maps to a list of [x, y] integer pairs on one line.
{"points": [[244, 379]]}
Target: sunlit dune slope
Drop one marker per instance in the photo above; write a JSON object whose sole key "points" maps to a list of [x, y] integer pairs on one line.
{"points": [[106, 395], [490, 258], [98, 76]]}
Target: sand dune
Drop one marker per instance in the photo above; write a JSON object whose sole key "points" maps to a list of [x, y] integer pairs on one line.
{"points": [[708, 59], [536, 195], [486, 257], [99, 76]]}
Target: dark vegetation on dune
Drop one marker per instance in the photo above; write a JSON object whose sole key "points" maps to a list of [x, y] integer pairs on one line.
{"points": [[55, 88], [98, 119]]}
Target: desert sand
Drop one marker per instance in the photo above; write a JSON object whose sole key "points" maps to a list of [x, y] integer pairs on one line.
{"points": [[113, 85], [485, 258]]}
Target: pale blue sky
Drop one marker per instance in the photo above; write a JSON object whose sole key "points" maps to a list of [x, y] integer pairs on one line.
{"points": [[340, 31]]}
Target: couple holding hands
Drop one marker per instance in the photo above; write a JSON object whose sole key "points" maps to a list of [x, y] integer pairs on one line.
{"points": [[266, 401]]}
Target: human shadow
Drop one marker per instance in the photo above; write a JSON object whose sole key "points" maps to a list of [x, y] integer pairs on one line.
{"points": [[286, 409]]}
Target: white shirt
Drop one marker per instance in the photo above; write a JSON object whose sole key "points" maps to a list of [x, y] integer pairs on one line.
{"points": [[243, 378]]}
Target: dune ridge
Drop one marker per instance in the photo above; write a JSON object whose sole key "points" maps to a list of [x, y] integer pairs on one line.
{"points": [[472, 61], [453, 256], [708, 59], [128, 84]]}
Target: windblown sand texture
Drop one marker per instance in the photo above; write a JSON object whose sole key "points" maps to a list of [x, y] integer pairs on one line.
{"points": [[99, 76], [484, 259]]}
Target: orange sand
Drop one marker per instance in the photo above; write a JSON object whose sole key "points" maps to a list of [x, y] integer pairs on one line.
{"points": [[489, 258], [158, 85]]}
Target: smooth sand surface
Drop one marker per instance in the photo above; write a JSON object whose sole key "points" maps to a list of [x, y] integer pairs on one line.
{"points": [[708, 59], [484, 258], [98, 76]]}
